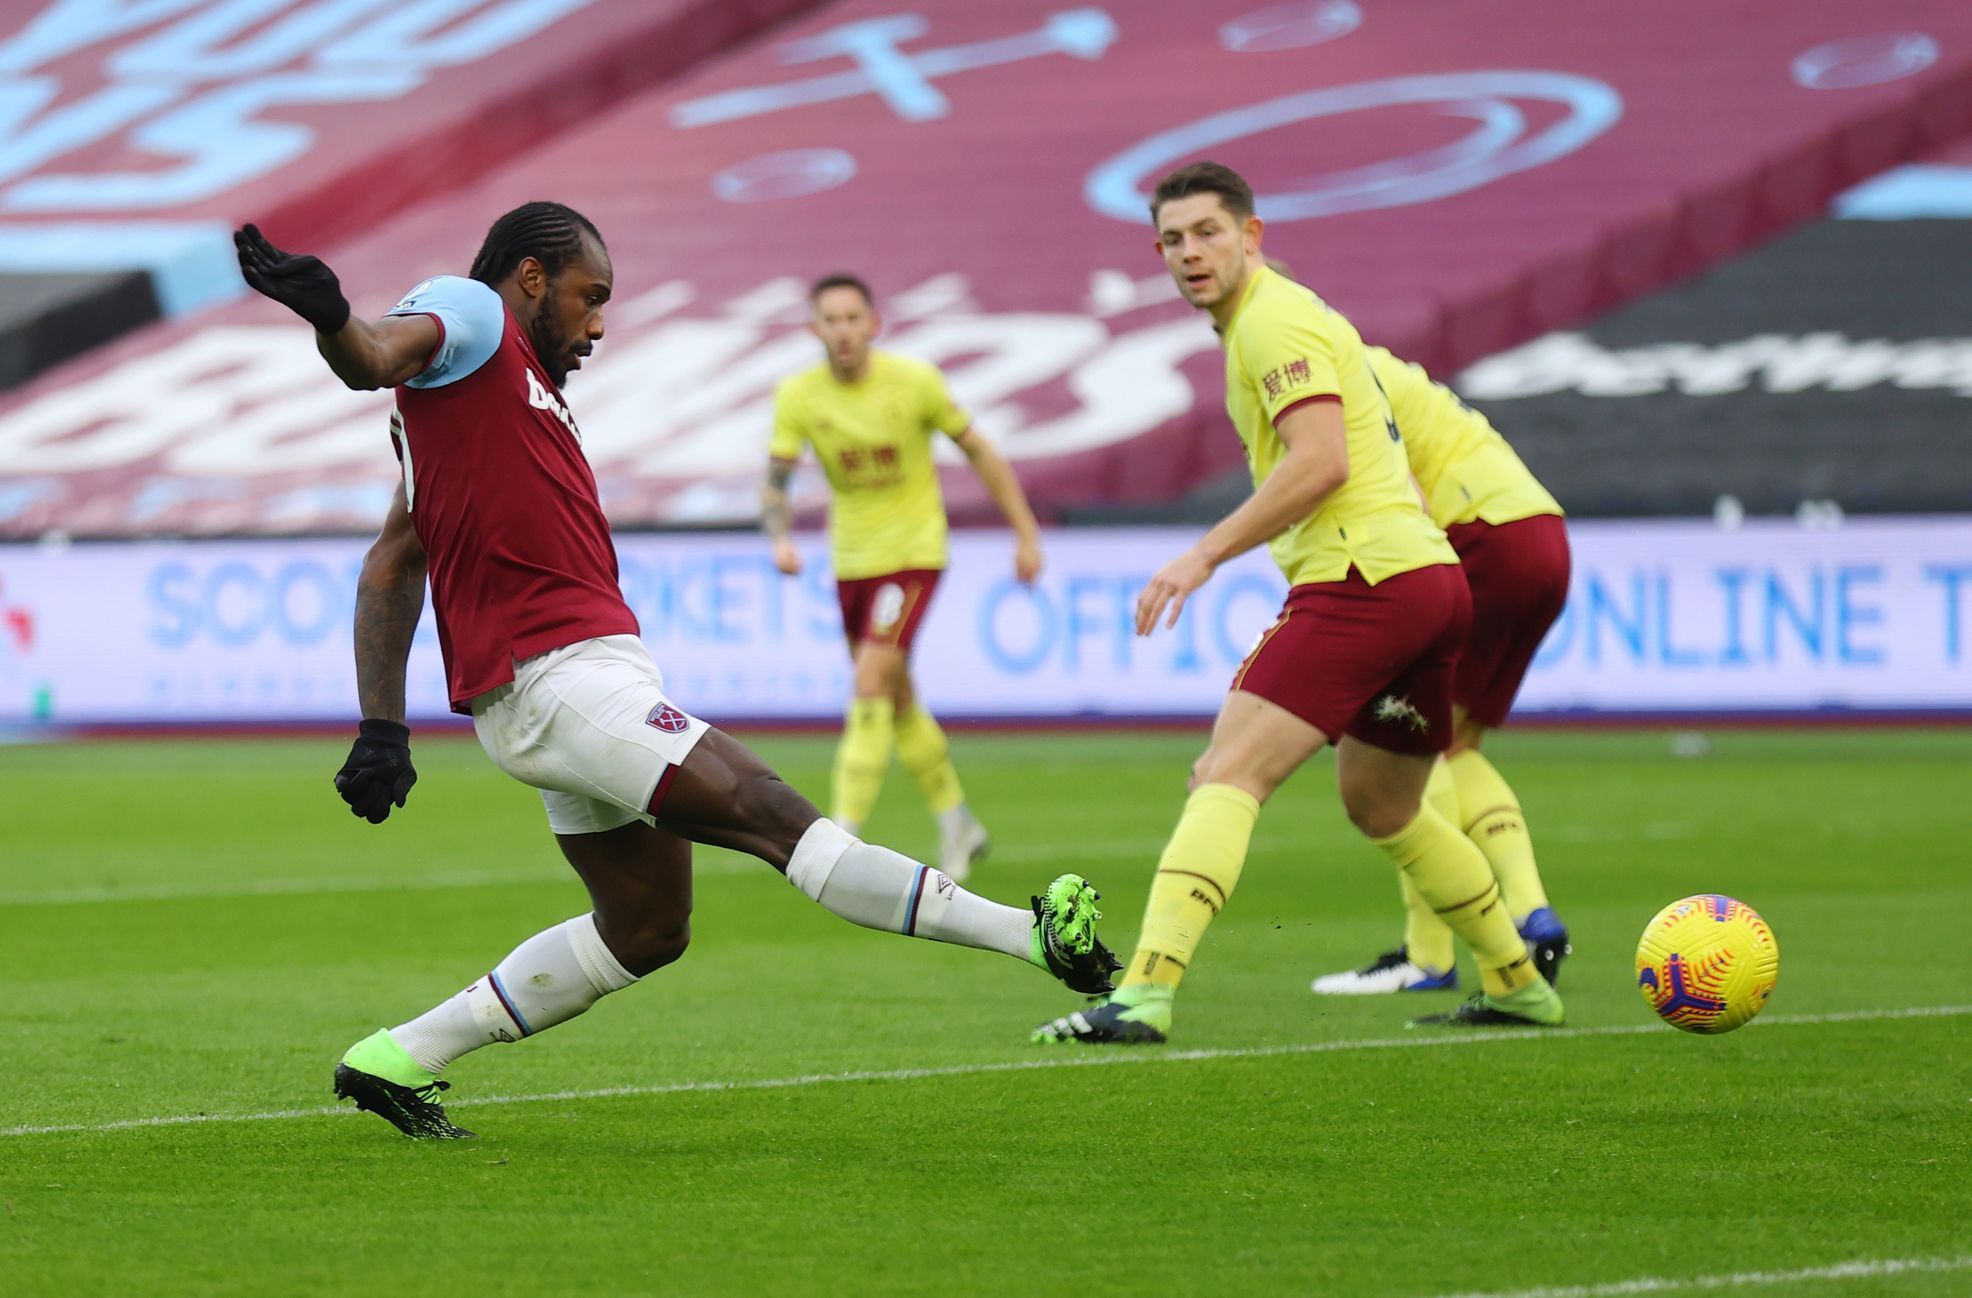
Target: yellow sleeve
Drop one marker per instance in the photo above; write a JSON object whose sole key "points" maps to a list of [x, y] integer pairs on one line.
{"points": [[1290, 359], [788, 434], [941, 412]]}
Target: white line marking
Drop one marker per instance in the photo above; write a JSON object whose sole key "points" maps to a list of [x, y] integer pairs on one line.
{"points": [[1736, 1280], [1058, 1057]]}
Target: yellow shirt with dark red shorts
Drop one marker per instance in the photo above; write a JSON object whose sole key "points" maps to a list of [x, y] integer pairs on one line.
{"points": [[1506, 527], [887, 523], [1376, 607]]}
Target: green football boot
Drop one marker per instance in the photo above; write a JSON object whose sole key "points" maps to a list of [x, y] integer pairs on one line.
{"points": [[1536, 1005], [383, 1079], [1138, 1015], [1064, 940]]}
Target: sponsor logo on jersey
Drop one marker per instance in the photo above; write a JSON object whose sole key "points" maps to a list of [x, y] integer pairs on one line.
{"points": [[542, 399]]}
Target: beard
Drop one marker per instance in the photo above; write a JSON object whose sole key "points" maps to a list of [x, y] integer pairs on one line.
{"points": [[550, 343]]}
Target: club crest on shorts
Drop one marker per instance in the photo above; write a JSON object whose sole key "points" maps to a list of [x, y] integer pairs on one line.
{"points": [[668, 719], [1392, 708]]}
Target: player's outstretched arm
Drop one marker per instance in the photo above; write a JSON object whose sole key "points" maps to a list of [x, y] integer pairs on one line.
{"points": [[1004, 486], [1316, 463], [390, 597], [362, 354], [777, 515]]}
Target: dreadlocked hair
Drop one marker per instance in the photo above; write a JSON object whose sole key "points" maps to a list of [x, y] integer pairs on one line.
{"points": [[548, 232]]}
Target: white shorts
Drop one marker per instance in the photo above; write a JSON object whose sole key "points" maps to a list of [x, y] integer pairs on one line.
{"points": [[589, 726]]}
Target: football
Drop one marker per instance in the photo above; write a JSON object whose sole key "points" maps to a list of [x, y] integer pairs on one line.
{"points": [[1707, 963]]}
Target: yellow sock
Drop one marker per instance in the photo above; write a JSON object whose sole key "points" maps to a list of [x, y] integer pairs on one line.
{"points": [[1491, 818], [1449, 872], [1195, 877], [1427, 939], [861, 759], [921, 747]]}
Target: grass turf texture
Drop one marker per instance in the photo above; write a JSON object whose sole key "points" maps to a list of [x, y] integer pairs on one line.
{"points": [[200, 928]]}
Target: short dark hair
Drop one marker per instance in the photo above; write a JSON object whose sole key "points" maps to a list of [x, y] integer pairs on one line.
{"points": [[840, 280], [1205, 178], [551, 233]]}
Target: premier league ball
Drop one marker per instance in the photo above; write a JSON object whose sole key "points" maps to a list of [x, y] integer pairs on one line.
{"points": [[1707, 964]]}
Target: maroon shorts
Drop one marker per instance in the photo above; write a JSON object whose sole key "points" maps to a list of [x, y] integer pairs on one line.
{"points": [[1372, 662], [886, 610], [1518, 573]]}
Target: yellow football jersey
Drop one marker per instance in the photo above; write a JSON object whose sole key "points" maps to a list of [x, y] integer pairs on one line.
{"points": [[873, 438], [1468, 471], [1284, 346]]}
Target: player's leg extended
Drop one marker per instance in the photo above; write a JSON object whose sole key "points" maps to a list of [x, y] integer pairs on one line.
{"points": [[1255, 745], [922, 748], [868, 733], [1383, 793], [724, 795], [640, 883]]}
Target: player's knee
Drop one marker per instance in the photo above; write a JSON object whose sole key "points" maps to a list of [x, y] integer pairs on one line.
{"points": [[774, 808], [1379, 813], [1218, 767], [655, 950], [877, 682], [880, 672], [647, 942]]}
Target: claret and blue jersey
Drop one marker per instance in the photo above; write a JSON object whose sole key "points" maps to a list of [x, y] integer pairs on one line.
{"points": [[502, 498]]}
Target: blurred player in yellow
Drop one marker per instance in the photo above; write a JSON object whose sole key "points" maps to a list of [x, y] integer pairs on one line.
{"points": [[1510, 537], [1362, 654], [872, 418]]}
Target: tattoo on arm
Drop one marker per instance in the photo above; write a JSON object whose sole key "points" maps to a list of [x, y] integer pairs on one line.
{"points": [[776, 515], [390, 597]]}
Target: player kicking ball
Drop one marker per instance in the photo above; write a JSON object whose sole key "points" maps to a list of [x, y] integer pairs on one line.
{"points": [[499, 510], [1513, 546], [872, 417], [1362, 653]]}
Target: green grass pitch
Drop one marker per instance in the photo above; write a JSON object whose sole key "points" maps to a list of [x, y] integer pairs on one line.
{"points": [[199, 928]]}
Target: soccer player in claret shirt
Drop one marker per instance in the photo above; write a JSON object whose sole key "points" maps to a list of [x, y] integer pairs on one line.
{"points": [[498, 508], [1513, 546], [1362, 654], [872, 417]]}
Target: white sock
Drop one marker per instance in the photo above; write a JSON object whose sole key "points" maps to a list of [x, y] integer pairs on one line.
{"points": [[548, 979], [878, 888]]}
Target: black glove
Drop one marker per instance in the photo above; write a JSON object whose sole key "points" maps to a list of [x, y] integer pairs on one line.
{"points": [[378, 772], [297, 281]]}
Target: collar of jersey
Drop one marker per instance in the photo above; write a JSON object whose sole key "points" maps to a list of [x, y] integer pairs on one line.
{"points": [[1246, 300]]}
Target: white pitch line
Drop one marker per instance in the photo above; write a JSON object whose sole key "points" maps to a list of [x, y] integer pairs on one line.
{"points": [[1059, 1057], [1736, 1280]]}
